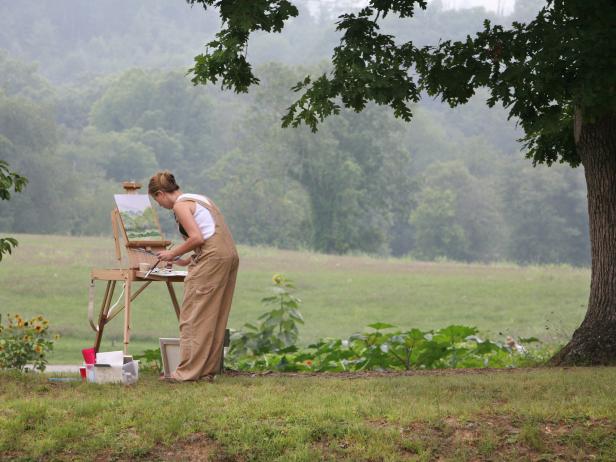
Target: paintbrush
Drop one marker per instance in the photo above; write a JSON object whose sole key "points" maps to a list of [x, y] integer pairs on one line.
{"points": [[152, 269], [149, 252]]}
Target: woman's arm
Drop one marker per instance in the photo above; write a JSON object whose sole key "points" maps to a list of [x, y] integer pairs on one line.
{"points": [[184, 214], [182, 262]]}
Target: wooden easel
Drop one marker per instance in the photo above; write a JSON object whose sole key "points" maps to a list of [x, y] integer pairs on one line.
{"points": [[129, 276]]}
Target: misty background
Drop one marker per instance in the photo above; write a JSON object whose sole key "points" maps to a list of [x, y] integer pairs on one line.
{"points": [[94, 93]]}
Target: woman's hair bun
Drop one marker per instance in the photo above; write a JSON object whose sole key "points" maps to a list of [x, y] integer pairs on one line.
{"points": [[167, 180], [162, 181]]}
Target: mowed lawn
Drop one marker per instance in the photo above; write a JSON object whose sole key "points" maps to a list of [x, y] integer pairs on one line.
{"points": [[506, 415], [49, 275]]}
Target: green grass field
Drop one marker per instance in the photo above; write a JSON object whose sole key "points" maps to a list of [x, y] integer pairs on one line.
{"points": [[507, 415], [449, 415], [49, 275]]}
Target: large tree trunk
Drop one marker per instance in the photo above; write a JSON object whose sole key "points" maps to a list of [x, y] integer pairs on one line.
{"points": [[594, 342]]}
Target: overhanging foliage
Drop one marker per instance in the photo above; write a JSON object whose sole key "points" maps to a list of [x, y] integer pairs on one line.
{"points": [[542, 72]]}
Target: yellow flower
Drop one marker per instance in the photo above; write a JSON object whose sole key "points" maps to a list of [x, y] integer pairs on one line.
{"points": [[277, 278], [40, 318], [20, 323], [38, 349], [38, 328], [26, 338]]}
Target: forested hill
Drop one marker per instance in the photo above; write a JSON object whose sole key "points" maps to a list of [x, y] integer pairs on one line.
{"points": [[109, 100], [76, 39]]}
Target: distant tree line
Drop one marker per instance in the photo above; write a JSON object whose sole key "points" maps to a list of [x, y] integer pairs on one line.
{"points": [[451, 185]]}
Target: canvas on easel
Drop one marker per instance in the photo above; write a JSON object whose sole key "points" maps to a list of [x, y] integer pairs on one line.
{"points": [[138, 217], [137, 220]]}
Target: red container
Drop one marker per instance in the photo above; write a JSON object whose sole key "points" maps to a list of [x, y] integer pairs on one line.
{"points": [[89, 355], [82, 372]]}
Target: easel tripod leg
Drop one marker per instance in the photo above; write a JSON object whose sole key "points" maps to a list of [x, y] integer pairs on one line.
{"points": [[102, 320], [174, 299], [127, 300]]}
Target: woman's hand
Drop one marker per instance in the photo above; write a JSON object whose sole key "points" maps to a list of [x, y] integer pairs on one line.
{"points": [[182, 261], [165, 255]]}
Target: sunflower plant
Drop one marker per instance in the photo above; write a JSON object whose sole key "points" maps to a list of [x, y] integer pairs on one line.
{"points": [[24, 341], [277, 329]]}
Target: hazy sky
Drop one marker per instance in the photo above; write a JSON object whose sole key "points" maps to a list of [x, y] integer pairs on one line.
{"points": [[501, 6]]}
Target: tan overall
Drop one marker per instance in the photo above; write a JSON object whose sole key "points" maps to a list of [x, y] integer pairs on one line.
{"points": [[208, 292]]}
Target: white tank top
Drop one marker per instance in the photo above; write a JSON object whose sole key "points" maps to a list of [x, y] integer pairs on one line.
{"points": [[202, 216]]}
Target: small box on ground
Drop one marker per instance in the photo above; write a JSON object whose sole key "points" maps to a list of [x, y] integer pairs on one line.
{"points": [[104, 373]]}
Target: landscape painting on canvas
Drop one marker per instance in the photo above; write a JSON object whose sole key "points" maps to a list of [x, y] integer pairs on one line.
{"points": [[138, 217]]}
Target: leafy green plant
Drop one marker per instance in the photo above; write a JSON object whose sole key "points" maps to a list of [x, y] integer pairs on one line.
{"points": [[278, 328], [377, 349], [452, 346], [271, 345], [24, 341], [151, 360]]}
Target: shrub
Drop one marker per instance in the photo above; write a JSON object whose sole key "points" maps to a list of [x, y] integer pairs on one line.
{"points": [[278, 328], [271, 345], [450, 347], [24, 341]]}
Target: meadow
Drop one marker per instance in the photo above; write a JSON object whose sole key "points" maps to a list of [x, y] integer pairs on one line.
{"points": [[49, 275], [462, 415]]}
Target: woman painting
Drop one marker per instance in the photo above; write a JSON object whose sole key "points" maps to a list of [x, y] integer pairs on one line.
{"points": [[209, 285]]}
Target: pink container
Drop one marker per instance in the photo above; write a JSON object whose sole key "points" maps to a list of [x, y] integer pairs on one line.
{"points": [[89, 355]]}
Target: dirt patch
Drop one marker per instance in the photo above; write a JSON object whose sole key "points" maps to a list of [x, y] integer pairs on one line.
{"points": [[484, 437], [197, 448], [505, 437]]}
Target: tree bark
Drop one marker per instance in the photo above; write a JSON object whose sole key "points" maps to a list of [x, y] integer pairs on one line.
{"points": [[594, 342]]}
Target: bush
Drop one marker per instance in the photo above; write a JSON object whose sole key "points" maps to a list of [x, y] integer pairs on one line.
{"points": [[271, 345], [24, 341], [450, 347], [278, 328]]}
